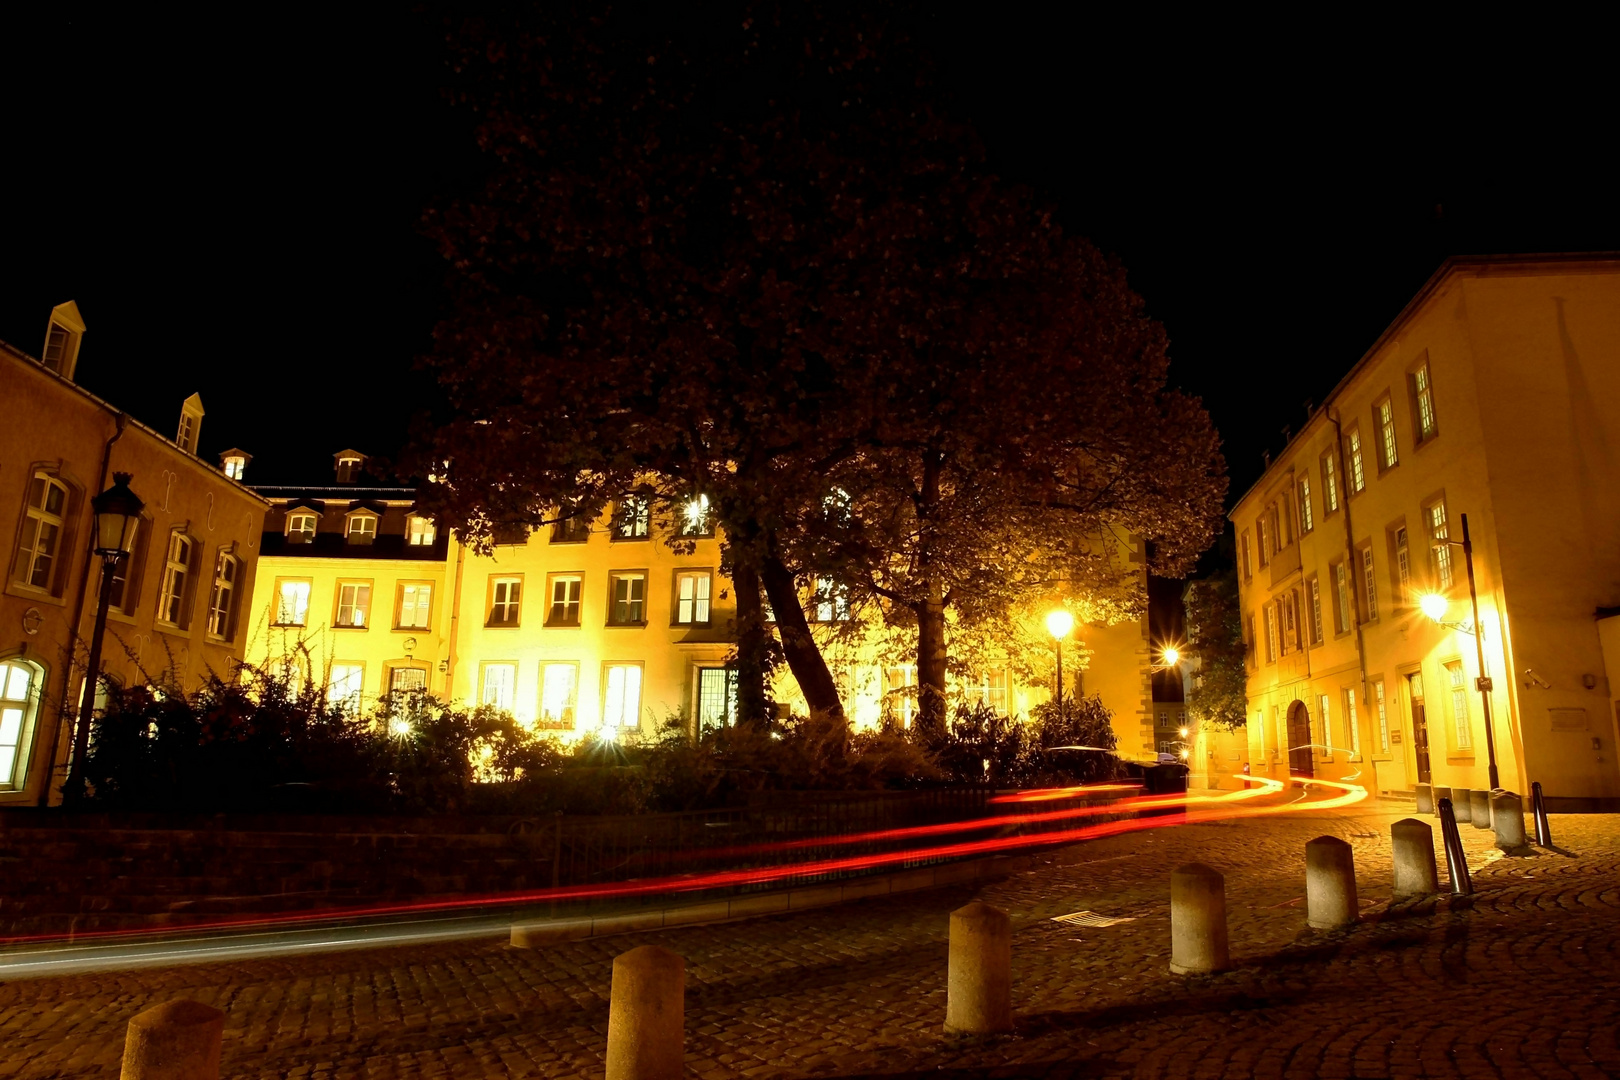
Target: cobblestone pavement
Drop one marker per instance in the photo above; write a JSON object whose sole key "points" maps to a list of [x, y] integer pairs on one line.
{"points": [[1520, 981]]}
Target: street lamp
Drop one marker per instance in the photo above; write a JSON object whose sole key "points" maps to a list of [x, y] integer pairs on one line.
{"points": [[118, 511], [1058, 624], [1434, 606], [1171, 655]]}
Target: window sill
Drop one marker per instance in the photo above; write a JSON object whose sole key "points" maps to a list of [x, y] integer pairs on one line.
{"points": [[28, 592], [572, 625], [691, 626], [627, 626], [349, 626], [502, 626], [170, 628], [410, 629], [288, 626]]}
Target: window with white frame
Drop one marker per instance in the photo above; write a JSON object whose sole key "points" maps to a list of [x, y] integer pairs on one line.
{"points": [[222, 598], [1438, 533], [500, 683], [361, 528], [831, 601], [716, 697], [19, 705], [1307, 520], [344, 684], [559, 694], [174, 597], [621, 696], [1369, 584], [900, 694], [59, 349], [415, 605], [566, 590], [571, 527], [404, 680], [1262, 541], [1330, 483], [1358, 471], [419, 531], [1384, 413], [120, 596], [1271, 633], [1351, 726], [692, 588], [354, 604], [292, 603], [1382, 708], [1403, 565], [1341, 585], [186, 437], [1324, 734], [989, 689], [696, 520], [1315, 588], [1247, 564], [1290, 623], [631, 518], [627, 603], [43, 524], [348, 469], [505, 600], [301, 528], [1423, 396], [235, 466], [1459, 705]]}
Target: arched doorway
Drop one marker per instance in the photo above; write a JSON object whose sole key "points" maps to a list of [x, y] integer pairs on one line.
{"points": [[1299, 739]]}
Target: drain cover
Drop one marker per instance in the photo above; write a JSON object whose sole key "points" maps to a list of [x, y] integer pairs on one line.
{"points": [[1090, 918]]}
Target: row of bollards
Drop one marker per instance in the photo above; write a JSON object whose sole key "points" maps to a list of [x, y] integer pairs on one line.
{"points": [[1501, 811]]}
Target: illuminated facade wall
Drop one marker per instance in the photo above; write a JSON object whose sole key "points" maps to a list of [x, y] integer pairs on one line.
{"points": [[1496, 394]]}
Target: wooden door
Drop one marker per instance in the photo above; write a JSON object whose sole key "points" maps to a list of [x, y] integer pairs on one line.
{"points": [[1420, 728], [1299, 740]]}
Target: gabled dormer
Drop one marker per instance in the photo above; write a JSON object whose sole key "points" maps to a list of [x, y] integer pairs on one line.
{"points": [[348, 464], [62, 339], [234, 462], [191, 415]]}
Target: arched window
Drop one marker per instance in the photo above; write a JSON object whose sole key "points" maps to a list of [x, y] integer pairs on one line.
{"points": [[44, 525], [19, 702]]}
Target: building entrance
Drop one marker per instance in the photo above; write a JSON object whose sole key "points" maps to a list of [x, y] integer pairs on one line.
{"points": [[1299, 740], [1420, 727]]}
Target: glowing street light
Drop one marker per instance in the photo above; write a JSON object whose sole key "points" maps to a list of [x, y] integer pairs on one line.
{"points": [[1172, 656], [1058, 624], [1434, 606]]}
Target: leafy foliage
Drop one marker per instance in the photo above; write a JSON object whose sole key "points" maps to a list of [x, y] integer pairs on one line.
{"points": [[1215, 636]]}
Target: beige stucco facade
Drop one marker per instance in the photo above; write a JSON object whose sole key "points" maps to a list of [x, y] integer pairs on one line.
{"points": [[1495, 395], [173, 620]]}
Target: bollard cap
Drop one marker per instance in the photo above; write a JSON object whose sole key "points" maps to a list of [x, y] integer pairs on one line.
{"points": [[1411, 824], [1197, 870], [979, 912], [651, 958], [1327, 842], [182, 1013]]}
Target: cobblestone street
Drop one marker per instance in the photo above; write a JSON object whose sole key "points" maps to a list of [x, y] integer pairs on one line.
{"points": [[1520, 980]]}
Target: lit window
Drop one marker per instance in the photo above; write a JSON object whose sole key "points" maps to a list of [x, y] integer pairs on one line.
{"points": [[716, 698], [1385, 414], [292, 603], [1358, 473], [419, 531], [300, 528], [692, 597], [565, 593], [574, 528], [1330, 483], [1383, 716], [559, 693], [499, 682], [348, 469], [1316, 611], [362, 528], [1271, 633], [1247, 572], [990, 689], [1290, 623], [354, 604], [19, 703], [235, 466], [1341, 584], [621, 696], [1324, 727], [900, 694], [631, 518], [629, 600], [343, 687], [173, 607], [404, 680], [696, 519], [1438, 532], [1369, 583], [42, 532], [1350, 723], [1459, 705], [1306, 521], [505, 597], [222, 599], [1424, 393], [1403, 564], [415, 606], [1262, 542], [831, 601]]}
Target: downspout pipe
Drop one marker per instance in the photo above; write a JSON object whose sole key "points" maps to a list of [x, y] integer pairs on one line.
{"points": [[1349, 552], [65, 706]]}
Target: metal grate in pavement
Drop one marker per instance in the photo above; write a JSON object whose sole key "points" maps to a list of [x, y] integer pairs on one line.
{"points": [[1091, 918]]}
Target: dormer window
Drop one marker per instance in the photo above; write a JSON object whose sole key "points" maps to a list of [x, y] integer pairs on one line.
{"points": [[301, 527], [233, 463], [62, 337], [419, 531], [361, 527], [191, 414], [349, 464]]}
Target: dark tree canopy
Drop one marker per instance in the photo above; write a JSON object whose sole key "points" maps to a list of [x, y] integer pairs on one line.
{"points": [[1215, 637]]}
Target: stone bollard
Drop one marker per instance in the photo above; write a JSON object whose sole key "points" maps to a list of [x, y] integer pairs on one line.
{"points": [[979, 973], [176, 1041], [1481, 808], [1415, 870], [647, 1016], [1440, 793], [1425, 799], [1330, 883], [1462, 804], [1197, 920], [1507, 816]]}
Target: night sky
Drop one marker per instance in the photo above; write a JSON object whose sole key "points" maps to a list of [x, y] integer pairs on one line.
{"points": [[233, 203]]}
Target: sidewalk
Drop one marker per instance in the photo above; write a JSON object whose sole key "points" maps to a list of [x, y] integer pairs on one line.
{"points": [[1521, 982]]}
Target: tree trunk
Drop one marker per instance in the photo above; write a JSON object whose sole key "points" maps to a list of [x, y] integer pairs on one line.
{"points": [[798, 647], [931, 661], [753, 646]]}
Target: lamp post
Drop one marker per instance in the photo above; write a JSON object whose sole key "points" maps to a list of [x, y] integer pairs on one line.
{"points": [[1434, 606], [117, 511], [1058, 624]]}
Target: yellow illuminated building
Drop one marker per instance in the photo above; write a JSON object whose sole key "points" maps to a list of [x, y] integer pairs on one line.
{"points": [[572, 630], [1496, 395]]}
